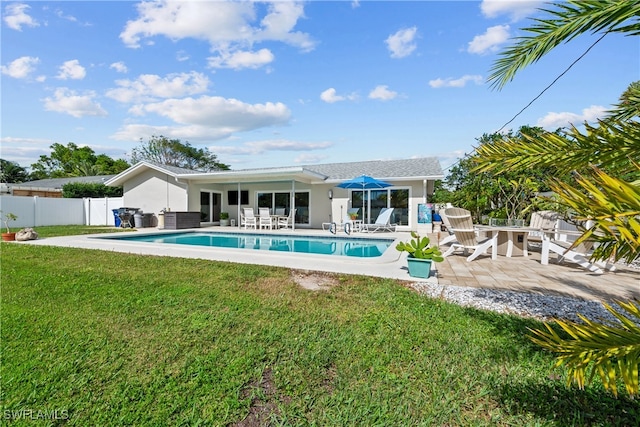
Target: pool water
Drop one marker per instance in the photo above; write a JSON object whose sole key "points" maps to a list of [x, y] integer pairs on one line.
{"points": [[353, 247]]}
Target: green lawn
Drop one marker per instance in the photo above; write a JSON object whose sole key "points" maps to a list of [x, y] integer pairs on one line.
{"points": [[74, 230], [169, 341]]}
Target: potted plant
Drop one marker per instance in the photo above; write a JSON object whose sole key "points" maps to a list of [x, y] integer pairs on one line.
{"points": [[421, 255], [224, 219], [6, 218]]}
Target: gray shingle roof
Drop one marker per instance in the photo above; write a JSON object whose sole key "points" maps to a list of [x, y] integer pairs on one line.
{"points": [[417, 168], [381, 169], [59, 182]]}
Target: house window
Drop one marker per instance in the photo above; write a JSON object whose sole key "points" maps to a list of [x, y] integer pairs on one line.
{"points": [[232, 197]]}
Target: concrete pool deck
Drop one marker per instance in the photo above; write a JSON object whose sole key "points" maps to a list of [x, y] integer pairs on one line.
{"points": [[515, 274]]}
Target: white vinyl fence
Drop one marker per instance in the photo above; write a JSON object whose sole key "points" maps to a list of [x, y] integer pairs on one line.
{"points": [[39, 211]]}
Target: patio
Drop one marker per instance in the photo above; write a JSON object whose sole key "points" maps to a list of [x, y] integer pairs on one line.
{"points": [[529, 275]]}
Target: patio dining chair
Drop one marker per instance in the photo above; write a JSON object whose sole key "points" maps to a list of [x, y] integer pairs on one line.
{"points": [[466, 237], [287, 221], [248, 219], [265, 219]]}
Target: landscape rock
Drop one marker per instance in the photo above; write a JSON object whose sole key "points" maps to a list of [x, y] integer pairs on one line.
{"points": [[26, 234]]}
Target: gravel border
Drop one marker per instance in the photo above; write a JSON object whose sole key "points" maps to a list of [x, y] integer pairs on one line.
{"points": [[541, 307]]}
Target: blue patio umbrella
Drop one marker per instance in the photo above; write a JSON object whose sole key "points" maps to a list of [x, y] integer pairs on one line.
{"points": [[363, 182]]}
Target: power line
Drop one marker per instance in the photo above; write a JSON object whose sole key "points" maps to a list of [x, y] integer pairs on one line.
{"points": [[554, 81], [540, 94]]}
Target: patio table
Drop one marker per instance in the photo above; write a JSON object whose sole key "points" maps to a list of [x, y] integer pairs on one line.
{"points": [[510, 240]]}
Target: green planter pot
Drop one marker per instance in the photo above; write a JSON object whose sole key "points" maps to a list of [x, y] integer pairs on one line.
{"points": [[419, 267]]}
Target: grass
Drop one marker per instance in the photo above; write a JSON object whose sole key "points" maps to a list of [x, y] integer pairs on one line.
{"points": [[74, 230], [158, 341]]}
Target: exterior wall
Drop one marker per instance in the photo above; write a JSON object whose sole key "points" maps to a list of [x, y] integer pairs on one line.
{"points": [[417, 194], [152, 191]]}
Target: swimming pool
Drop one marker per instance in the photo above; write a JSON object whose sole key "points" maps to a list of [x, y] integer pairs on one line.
{"points": [[351, 247]]}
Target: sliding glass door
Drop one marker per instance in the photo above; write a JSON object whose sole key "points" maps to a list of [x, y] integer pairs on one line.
{"points": [[277, 201], [375, 200], [210, 205]]}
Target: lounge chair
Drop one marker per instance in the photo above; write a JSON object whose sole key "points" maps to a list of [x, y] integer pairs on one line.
{"points": [[544, 221], [383, 222], [450, 237], [248, 219], [561, 241], [287, 221], [466, 237], [265, 219]]}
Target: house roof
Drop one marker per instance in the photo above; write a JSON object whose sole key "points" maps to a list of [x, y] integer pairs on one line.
{"points": [[418, 168], [57, 183], [389, 170]]}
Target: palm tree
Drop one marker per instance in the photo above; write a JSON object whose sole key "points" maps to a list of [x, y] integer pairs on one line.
{"points": [[606, 188]]}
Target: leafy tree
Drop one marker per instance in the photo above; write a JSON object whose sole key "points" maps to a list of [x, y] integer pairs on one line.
{"points": [[108, 166], [89, 189], [606, 188], [70, 160], [12, 172], [507, 195], [172, 152]]}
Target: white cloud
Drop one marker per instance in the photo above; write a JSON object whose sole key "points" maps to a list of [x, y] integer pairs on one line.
{"points": [[69, 102], [553, 121], [241, 59], [20, 68], [402, 43], [15, 16], [182, 56], [149, 87], [230, 27], [516, 9], [260, 147], [71, 70], [490, 41], [206, 118], [60, 14], [331, 96], [460, 82], [119, 67], [382, 93]]}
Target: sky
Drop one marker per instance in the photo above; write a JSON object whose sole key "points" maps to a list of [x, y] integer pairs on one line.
{"points": [[284, 83]]}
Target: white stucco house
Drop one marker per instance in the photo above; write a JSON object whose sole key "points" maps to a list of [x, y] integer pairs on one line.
{"points": [[311, 189]]}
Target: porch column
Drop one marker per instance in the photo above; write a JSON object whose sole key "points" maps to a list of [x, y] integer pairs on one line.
{"points": [[293, 202], [239, 207]]}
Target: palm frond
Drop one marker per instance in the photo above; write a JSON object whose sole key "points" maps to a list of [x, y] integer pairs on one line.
{"points": [[612, 145], [610, 350], [629, 105], [569, 20], [614, 206]]}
